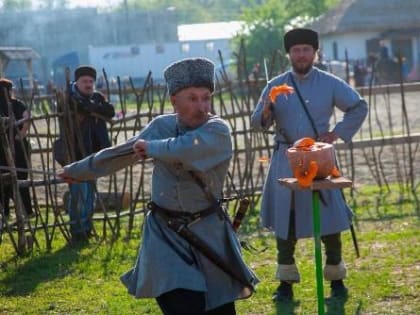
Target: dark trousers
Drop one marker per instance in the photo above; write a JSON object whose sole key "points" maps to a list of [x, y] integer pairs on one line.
{"points": [[81, 208], [6, 190], [188, 302], [286, 248]]}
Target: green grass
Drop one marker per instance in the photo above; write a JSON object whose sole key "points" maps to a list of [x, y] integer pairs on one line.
{"points": [[85, 279]]}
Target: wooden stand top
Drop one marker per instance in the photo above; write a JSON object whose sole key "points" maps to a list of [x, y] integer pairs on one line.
{"points": [[327, 183]]}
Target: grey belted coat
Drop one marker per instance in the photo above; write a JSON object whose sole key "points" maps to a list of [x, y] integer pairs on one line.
{"points": [[176, 150]]}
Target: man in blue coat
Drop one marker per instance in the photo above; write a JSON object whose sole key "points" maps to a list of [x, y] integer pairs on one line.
{"points": [[289, 213]]}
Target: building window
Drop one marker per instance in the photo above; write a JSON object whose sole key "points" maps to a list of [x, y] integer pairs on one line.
{"points": [[185, 47], [335, 51], [210, 46], [160, 49], [135, 50]]}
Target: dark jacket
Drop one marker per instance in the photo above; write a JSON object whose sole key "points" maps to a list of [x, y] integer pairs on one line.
{"points": [[20, 146], [90, 132]]}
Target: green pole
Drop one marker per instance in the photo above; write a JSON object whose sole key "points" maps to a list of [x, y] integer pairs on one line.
{"points": [[318, 256]]}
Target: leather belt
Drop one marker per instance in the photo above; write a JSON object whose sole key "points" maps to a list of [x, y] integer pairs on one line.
{"points": [[187, 216]]}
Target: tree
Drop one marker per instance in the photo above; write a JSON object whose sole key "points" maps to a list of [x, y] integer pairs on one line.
{"points": [[266, 24], [199, 11], [53, 4], [264, 29], [306, 7], [9, 5]]}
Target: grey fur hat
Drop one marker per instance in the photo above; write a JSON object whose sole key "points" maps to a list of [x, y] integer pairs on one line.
{"points": [[197, 72]]}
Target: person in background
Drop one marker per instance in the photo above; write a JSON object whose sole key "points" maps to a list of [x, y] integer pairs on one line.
{"points": [[289, 213], [360, 73], [255, 72], [51, 88], [191, 150], [387, 69], [319, 61], [20, 146], [405, 68], [86, 133]]}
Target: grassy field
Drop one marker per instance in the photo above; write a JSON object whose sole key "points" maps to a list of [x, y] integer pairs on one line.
{"points": [[84, 279]]}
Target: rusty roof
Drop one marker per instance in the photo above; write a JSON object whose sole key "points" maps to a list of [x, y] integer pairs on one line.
{"points": [[369, 15], [18, 53]]}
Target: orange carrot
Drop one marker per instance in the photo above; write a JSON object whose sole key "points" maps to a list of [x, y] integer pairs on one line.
{"points": [[263, 159], [335, 172], [304, 143], [306, 177], [279, 90]]}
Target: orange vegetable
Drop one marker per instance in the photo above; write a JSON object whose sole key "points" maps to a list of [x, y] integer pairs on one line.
{"points": [[279, 90], [304, 143], [306, 177], [306, 150], [263, 159], [335, 172]]}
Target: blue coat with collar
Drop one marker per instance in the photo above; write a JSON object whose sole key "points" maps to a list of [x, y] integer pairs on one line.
{"points": [[322, 93]]}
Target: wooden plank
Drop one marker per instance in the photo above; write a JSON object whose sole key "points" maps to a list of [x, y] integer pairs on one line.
{"points": [[390, 88], [327, 183], [379, 142], [358, 144]]}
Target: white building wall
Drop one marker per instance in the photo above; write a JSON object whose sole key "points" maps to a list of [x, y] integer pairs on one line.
{"points": [[354, 43], [137, 60], [415, 71]]}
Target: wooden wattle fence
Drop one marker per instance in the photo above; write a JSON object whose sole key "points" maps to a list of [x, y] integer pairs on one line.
{"points": [[384, 153]]}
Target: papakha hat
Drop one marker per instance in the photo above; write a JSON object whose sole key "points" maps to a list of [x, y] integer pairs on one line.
{"points": [[84, 70], [5, 83], [196, 72], [299, 36]]}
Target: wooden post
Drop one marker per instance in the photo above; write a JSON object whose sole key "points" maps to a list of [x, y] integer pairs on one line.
{"points": [[318, 254], [20, 218], [317, 185]]}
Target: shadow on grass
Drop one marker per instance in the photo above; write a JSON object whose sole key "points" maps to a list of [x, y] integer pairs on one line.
{"points": [[24, 279], [286, 307], [335, 306]]}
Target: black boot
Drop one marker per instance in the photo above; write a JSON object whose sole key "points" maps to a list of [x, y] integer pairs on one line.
{"points": [[284, 292], [338, 289]]}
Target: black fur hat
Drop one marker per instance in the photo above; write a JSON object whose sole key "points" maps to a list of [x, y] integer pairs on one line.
{"points": [[300, 36], [84, 70], [197, 72], [5, 83]]}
